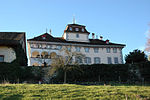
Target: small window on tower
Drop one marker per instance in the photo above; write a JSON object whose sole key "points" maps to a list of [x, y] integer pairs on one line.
{"points": [[82, 29], [77, 35], [77, 29], [70, 28]]}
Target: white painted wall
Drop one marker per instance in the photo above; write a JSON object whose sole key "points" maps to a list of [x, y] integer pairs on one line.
{"points": [[8, 52], [102, 54], [83, 37]]}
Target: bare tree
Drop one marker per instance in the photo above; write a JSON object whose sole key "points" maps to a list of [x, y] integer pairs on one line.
{"points": [[66, 63], [147, 48]]}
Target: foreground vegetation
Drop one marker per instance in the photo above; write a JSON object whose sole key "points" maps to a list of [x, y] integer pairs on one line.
{"points": [[69, 91]]}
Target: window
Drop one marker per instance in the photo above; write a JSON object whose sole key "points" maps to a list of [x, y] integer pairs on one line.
{"points": [[77, 35], [39, 46], [96, 60], [44, 38], [59, 47], [116, 60], [68, 59], [87, 60], [114, 50], [43, 46], [82, 29], [69, 48], [1, 58], [77, 29], [86, 49], [78, 59], [108, 50], [70, 28], [49, 46], [77, 49], [32, 45], [109, 60], [96, 50]]}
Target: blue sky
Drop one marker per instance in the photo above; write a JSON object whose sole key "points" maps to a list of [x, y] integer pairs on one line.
{"points": [[120, 21]]}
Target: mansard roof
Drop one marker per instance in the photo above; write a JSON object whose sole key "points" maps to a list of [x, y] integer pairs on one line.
{"points": [[48, 38], [11, 38], [74, 26]]}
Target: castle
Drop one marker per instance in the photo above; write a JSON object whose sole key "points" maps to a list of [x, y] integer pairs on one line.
{"points": [[76, 39]]}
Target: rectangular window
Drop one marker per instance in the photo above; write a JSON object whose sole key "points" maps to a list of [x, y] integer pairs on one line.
{"points": [[114, 50], [96, 60], [87, 60], [39, 46], [108, 50], [86, 49], [49, 46], [59, 47], [69, 48], [1, 58], [77, 35], [78, 60], [43, 46], [32, 45], [116, 60], [96, 50], [109, 60], [68, 60], [77, 49]]}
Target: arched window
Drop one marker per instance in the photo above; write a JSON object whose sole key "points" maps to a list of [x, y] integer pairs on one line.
{"points": [[35, 64], [35, 54], [44, 54], [53, 55]]}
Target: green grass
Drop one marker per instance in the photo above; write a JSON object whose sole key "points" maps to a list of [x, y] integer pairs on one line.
{"points": [[74, 92]]}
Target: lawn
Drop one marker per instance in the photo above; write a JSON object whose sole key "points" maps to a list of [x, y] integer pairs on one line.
{"points": [[71, 91]]}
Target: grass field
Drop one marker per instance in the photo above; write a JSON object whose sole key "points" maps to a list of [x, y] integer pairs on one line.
{"points": [[70, 91]]}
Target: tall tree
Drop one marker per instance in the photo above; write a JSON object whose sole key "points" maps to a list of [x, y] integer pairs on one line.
{"points": [[66, 63], [136, 56], [147, 47]]}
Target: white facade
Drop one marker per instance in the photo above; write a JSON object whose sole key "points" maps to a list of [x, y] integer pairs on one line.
{"points": [[102, 52], [7, 54], [95, 51]]}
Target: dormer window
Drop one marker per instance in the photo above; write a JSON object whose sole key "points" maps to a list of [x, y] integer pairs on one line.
{"points": [[44, 38], [82, 29], [70, 28], [77, 29]]}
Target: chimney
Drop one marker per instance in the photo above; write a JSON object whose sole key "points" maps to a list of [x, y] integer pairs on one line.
{"points": [[96, 36], [93, 35], [50, 32], [101, 38], [107, 41]]}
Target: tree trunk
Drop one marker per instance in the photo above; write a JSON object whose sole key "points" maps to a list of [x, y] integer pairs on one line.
{"points": [[65, 75]]}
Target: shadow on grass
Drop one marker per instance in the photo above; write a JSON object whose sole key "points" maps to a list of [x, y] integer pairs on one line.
{"points": [[14, 97]]}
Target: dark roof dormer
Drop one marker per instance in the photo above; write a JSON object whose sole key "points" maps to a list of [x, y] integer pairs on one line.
{"points": [[76, 28]]}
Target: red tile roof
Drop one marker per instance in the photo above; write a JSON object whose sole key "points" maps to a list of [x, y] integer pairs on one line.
{"points": [[49, 38]]}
